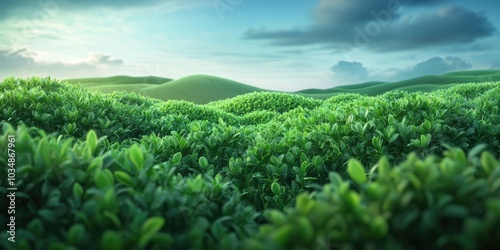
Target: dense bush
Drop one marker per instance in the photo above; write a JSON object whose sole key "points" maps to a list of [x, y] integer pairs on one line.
{"points": [[73, 196], [134, 99], [178, 175], [270, 101], [449, 203], [70, 110]]}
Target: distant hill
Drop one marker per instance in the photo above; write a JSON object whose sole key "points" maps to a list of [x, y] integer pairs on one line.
{"points": [[119, 83], [202, 89], [119, 80], [423, 83]]}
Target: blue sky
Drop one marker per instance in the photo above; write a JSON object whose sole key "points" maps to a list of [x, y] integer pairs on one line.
{"points": [[278, 44]]}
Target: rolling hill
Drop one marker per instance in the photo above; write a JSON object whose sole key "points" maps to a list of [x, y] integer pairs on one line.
{"points": [[119, 83], [119, 80], [199, 89], [202, 89], [423, 83]]}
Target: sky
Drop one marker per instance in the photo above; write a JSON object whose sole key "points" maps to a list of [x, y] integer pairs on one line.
{"points": [[285, 45]]}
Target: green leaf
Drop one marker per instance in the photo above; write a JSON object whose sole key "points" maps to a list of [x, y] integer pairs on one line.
{"points": [[351, 199], [282, 235], [427, 126], [303, 167], [111, 240], [196, 184], [110, 200], [393, 138], [203, 162], [136, 156], [150, 227], [177, 157], [95, 164], [276, 217], [76, 234], [103, 179], [304, 204], [48, 215], [77, 191], [70, 128], [384, 167], [306, 229], [229, 242], [217, 229], [124, 178], [92, 141], [379, 226], [275, 187], [317, 160], [356, 171], [36, 227], [113, 218], [425, 140], [474, 152], [335, 179], [488, 162]]}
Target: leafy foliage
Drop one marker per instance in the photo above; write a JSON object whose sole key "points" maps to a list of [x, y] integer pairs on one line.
{"points": [[73, 197], [435, 203], [263, 170]]}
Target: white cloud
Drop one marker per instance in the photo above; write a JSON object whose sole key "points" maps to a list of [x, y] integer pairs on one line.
{"points": [[350, 72], [23, 62], [103, 59]]}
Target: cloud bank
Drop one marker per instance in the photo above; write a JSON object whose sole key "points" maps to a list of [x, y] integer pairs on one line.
{"points": [[21, 62], [357, 72], [381, 26]]}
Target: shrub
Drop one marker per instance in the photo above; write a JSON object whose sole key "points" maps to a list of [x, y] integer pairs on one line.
{"points": [[71, 196], [448, 203], [179, 175]]}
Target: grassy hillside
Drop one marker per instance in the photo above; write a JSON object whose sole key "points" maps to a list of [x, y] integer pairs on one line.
{"points": [[119, 83], [202, 89], [199, 89], [424, 83], [113, 80]]}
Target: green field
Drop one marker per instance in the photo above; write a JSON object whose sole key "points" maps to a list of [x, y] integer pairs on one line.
{"points": [[258, 171], [202, 89], [199, 89]]}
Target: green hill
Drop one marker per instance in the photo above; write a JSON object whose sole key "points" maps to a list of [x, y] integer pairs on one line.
{"points": [[199, 89], [423, 83], [202, 89], [113, 80], [119, 83]]}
